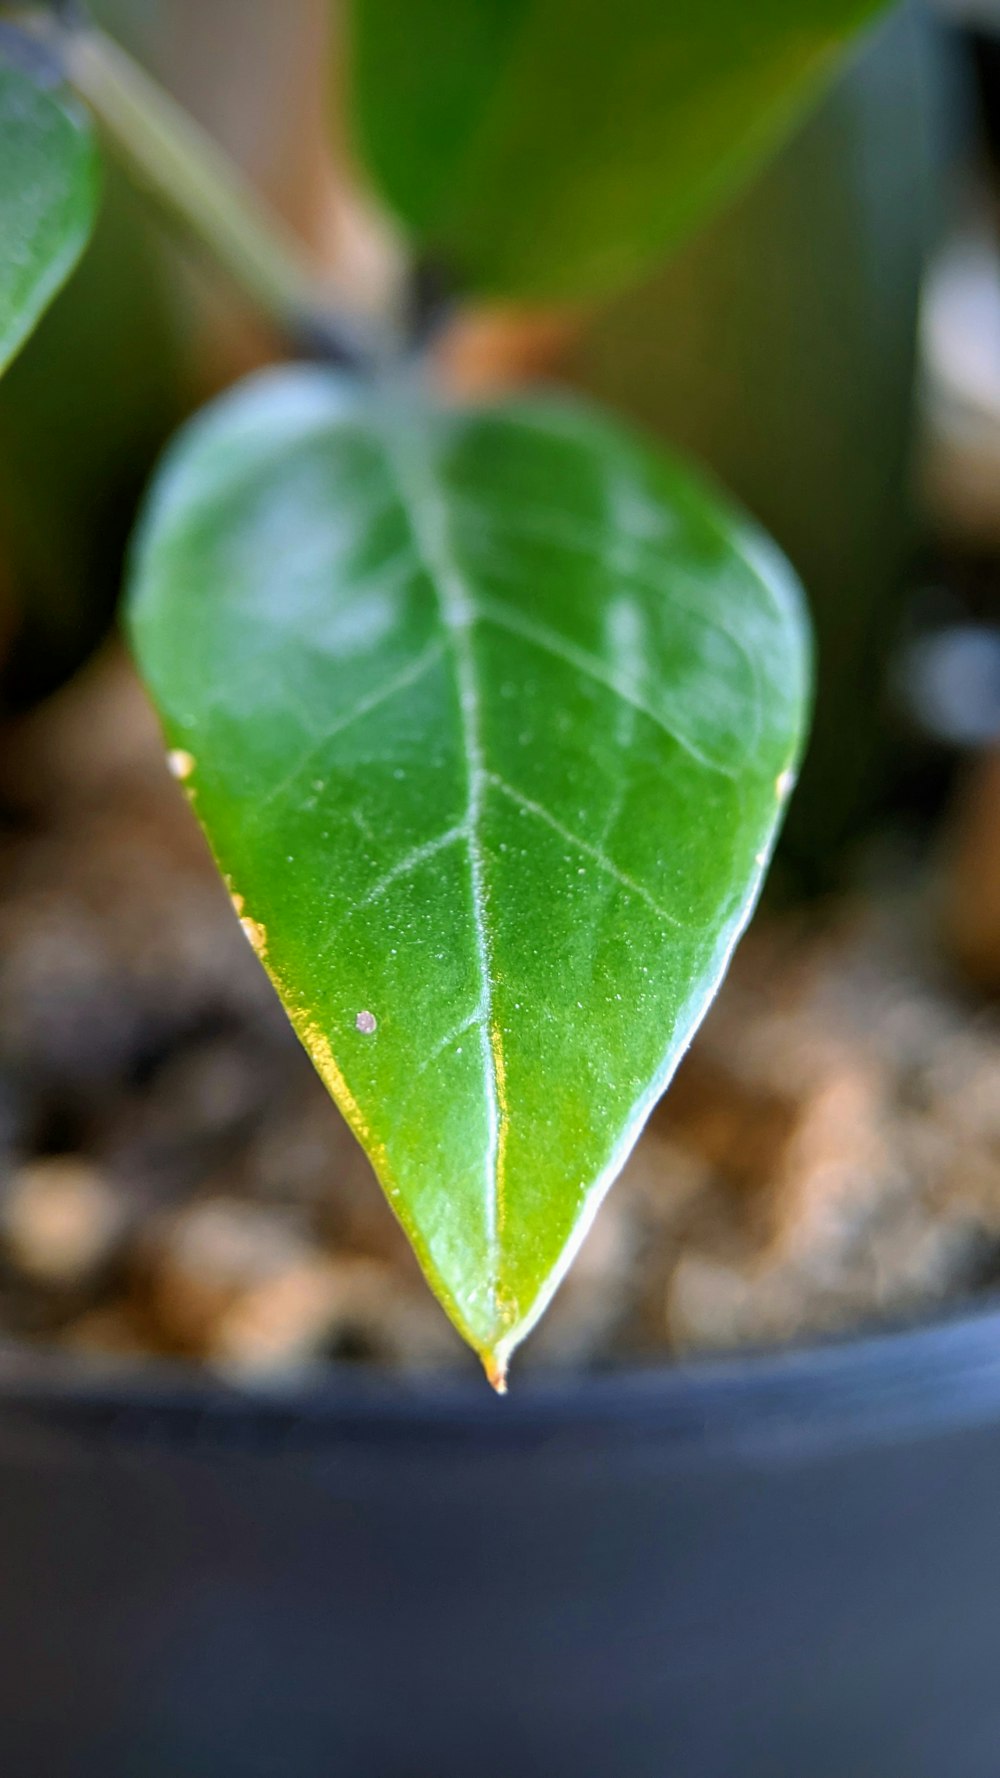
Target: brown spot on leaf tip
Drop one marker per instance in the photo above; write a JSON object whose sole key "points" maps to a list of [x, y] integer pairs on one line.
{"points": [[496, 1374], [366, 1022]]}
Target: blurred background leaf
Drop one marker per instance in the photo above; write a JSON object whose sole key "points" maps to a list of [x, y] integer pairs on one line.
{"points": [[82, 414], [143, 333], [780, 348], [555, 148], [48, 196]]}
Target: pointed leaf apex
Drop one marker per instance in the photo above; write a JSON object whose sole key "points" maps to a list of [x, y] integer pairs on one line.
{"points": [[496, 1372]]}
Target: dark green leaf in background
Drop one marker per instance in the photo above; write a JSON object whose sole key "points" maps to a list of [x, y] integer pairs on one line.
{"points": [[84, 411], [778, 338], [48, 197], [553, 148], [490, 717]]}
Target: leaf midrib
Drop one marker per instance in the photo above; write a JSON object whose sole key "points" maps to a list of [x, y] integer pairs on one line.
{"points": [[426, 512]]}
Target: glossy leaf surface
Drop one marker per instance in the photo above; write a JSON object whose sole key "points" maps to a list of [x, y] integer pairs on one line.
{"points": [[489, 716], [48, 197], [552, 148]]}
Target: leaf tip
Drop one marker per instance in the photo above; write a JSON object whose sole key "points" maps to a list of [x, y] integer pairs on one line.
{"points": [[496, 1372]]}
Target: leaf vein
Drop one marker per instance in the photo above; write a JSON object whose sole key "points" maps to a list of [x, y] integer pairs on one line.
{"points": [[470, 1023], [581, 845], [409, 675], [405, 867], [507, 617]]}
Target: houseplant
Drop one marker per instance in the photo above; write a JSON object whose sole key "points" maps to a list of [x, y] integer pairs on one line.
{"points": [[612, 1467]]}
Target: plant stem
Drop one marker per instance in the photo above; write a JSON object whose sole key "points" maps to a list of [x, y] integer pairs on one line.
{"points": [[178, 162]]}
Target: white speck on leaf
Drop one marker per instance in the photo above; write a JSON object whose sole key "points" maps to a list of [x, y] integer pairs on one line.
{"points": [[366, 1022], [180, 764]]}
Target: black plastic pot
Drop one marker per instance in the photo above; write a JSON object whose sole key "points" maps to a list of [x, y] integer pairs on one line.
{"points": [[777, 1567]]}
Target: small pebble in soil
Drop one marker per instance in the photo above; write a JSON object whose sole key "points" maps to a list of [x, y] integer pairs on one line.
{"points": [[204, 1258], [60, 1220]]}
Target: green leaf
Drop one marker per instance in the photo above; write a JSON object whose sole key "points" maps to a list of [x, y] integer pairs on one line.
{"points": [[48, 200], [489, 716], [553, 148]]}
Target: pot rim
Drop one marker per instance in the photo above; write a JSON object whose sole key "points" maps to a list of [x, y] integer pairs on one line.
{"points": [[844, 1392]]}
